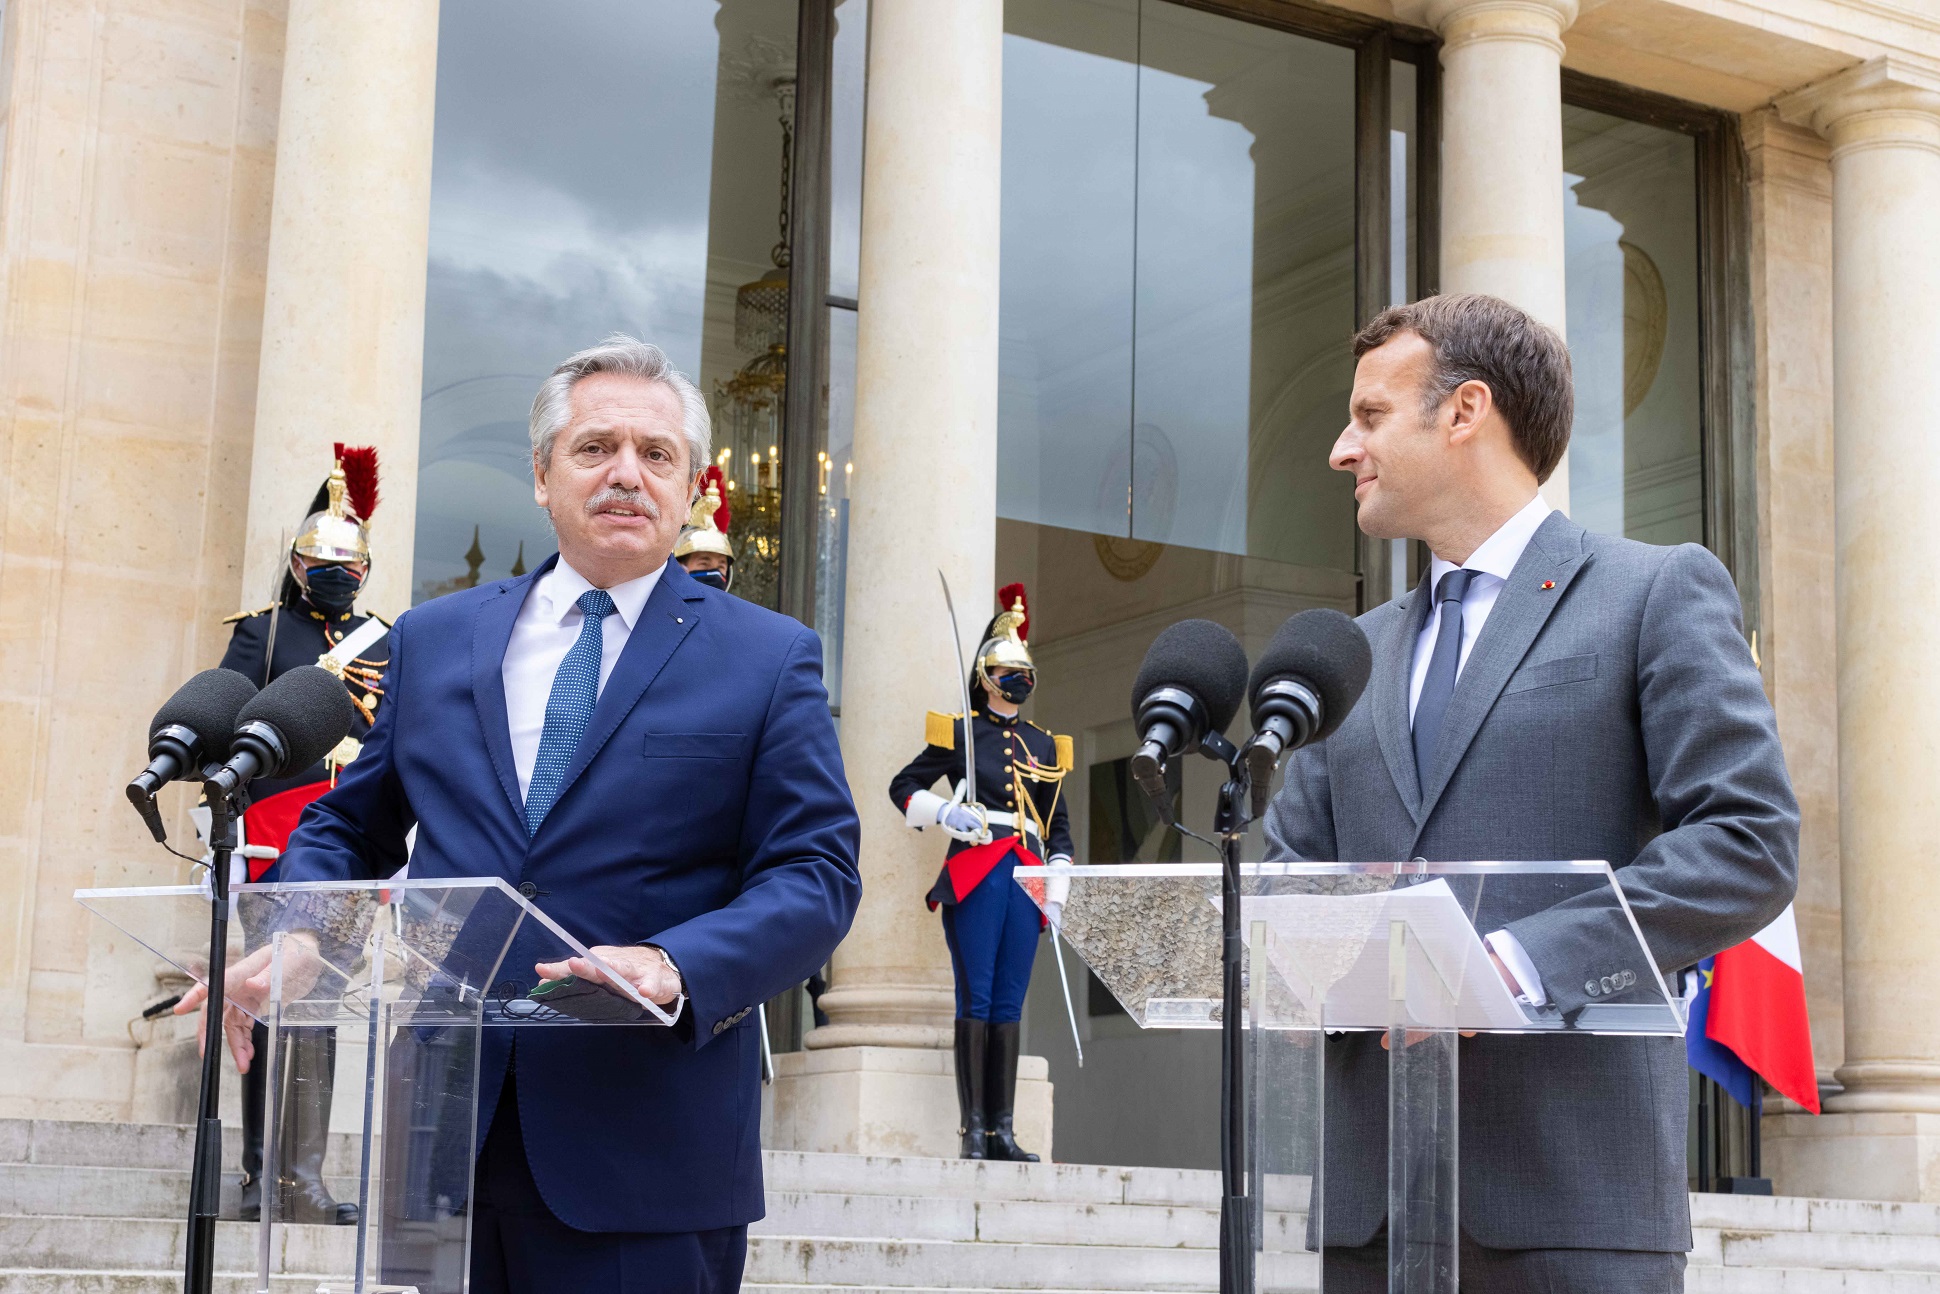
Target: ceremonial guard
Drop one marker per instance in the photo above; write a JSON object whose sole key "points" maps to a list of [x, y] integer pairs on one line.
{"points": [[1005, 810], [312, 622], [704, 551]]}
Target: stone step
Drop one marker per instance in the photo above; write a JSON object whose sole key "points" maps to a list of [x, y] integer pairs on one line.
{"points": [[29, 1281], [893, 1264], [1804, 1280], [136, 1145], [153, 1244], [1792, 1213], [1009, 1221], [82, 1191]]}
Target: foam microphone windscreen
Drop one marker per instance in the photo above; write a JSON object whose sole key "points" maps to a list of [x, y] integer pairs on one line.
{"points": [[207, 705], [1204, 659], [310, 707], [1326, 651]]}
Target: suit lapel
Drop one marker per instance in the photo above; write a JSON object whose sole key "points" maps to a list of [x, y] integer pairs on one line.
{"points": [[1393, 666], [1555, 556], [671, 612], [491, 633]]}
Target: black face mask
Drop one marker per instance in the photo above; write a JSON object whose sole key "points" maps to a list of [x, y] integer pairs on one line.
{"points": [[1016, 688], [332, 588], [713, 579]]}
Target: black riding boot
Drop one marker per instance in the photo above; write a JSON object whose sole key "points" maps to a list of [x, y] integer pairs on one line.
{"points": [[1000, 1094], [306, 1128], [255, 1097], [971, 1036]]}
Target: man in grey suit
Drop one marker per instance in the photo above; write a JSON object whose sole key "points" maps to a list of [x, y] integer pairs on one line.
{"points": [[1545, 693]]}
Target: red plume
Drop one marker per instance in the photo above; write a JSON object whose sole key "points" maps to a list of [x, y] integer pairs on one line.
{"points": [[360, 478], [718, 479], [1009, 596]]}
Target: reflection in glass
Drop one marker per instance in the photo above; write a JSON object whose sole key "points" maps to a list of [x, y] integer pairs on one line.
{"points": [[847, 83], [607, 165], [1636, 463], [835, 476]]}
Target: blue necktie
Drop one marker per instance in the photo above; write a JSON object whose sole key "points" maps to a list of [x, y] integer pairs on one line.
{"points": [[575, 691], [1436, 690]]}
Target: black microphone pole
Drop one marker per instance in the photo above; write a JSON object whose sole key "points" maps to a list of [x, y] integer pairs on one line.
{"points": [[205, 1176], [1235, 1209]]}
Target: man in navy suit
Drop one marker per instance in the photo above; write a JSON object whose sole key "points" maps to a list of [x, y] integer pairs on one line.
{"points": [[654, 761]]}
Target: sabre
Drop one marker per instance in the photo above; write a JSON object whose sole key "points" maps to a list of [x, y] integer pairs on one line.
{"points": [[1070, 1013], [968, 788]]}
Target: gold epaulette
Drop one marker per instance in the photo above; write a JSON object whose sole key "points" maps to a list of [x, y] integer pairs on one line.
{"points": [[244, 615], [940, 729], [1067, 755]]}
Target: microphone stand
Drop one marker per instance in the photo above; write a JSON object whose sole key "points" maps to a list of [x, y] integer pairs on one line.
{"points": [[1230, 821], [205, 1178]]}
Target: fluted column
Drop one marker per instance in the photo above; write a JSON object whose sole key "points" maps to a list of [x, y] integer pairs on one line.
{"points": [[343, 312], [877, 1077], [1883, 122], [1502, 155]]}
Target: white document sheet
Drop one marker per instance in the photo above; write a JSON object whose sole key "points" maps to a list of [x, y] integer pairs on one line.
{"points": [[1334, 953]]}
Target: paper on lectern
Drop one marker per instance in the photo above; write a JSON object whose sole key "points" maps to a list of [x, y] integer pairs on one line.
{"points": [[1334, 953]]}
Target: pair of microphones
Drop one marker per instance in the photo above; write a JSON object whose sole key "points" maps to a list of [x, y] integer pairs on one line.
{"points": [[1195, 674], [219, 729]]}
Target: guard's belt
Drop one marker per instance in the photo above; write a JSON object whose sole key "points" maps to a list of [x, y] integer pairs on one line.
{"points": [[1001, 818]]}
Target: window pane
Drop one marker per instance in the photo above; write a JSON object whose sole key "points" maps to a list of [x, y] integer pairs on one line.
{"points": [[836, 476], [606, 165], [1636, 450], [848, 85], [1065, 312]]}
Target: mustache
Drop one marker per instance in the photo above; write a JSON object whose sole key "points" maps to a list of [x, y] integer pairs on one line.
{"points": [[619, 494]]}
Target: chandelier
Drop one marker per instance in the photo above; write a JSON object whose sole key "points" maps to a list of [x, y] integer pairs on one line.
{"points": [[748, 405]]}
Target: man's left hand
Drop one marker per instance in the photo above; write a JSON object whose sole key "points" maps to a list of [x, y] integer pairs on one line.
{"points": [[643, 968]]}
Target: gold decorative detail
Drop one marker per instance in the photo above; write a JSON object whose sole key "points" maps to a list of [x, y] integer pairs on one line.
{"points": [[336, 534], [342, 753], [702, 535], [940, 729], [1067, 752], [330, 665], [1646, 321], [1126, 559]]}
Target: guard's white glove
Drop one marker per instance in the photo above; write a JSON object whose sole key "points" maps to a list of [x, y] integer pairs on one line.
{"points": [[1056, 890], [960, 822]]}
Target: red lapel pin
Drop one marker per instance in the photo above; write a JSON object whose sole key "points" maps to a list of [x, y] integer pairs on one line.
{"points": [[1549, 584]]}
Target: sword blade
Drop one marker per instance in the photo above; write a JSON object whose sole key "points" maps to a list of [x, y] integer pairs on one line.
{"points": [[963, 686], [1070, 1012]]}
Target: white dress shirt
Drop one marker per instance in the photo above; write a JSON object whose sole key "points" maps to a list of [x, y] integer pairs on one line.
{"points": [[1492, 562], [547, 627]]}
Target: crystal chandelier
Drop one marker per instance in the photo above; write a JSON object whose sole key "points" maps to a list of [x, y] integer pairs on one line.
{"points": [[748, 405]]}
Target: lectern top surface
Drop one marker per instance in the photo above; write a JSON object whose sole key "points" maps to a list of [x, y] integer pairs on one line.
{"points": [[1502, 947]]}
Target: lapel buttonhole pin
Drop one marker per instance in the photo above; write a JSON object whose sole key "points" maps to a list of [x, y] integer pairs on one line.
{"points": [[1549, 584]]}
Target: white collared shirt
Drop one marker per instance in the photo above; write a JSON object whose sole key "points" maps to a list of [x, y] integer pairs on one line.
{"points": [[1492, 561], [547, 627]]}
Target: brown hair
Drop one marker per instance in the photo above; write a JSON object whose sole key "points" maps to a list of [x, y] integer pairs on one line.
{"points": [[1478, 338]]}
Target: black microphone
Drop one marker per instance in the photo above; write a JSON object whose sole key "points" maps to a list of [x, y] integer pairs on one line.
{"points": [[1189, 685], [289, 725], [1302, 688], [193, 725]]}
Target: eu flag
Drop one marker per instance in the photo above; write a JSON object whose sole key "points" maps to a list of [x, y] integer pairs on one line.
{"points": [[1714, 1060]]}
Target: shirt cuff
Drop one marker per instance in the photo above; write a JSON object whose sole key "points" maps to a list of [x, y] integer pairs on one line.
{"points": [[923, 809], [1507, 947]]}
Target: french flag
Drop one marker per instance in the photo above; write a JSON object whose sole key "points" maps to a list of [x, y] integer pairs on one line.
{"points": [[1748, 1017]]}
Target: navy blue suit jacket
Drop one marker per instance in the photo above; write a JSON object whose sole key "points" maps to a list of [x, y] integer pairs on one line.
{"points": [[706, 812]]}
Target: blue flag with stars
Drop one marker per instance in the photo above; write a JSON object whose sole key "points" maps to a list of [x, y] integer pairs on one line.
{"points": [[1714, 1060]]}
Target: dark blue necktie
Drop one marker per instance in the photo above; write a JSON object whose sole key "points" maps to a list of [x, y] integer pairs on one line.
{"points": [[575, 691], [1439, 686]]}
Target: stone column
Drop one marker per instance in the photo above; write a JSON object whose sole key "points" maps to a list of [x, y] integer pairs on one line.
{"points": [[343, 313], [1502, 155], [1881, 1137], [878, 1077]]}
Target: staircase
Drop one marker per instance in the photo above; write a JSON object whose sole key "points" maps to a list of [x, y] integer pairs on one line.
{"points": [[96, 1208]]}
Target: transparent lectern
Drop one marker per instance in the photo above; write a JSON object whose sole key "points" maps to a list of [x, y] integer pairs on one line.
{"points": [[409, 973], [1344, 948]]}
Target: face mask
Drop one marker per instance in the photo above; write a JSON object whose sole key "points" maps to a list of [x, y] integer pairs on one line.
{"points": [[713, 579], [1016, 688], [332, 588]]}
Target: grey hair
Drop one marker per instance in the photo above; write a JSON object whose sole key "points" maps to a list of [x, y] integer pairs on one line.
{"points": [[619, 353]]}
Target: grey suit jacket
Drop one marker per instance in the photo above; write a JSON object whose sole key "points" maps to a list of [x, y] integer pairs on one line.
{"points": [[1616, 715]]}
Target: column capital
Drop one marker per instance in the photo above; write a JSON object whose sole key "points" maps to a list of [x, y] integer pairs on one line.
{"points": [[1884, 102], [1459, 22]]}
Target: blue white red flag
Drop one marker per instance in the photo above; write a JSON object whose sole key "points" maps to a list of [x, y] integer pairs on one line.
{"points": [[1748, 1017]]}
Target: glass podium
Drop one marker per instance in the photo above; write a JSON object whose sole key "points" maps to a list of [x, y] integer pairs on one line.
{"points": [[408, 973], [1396, 949]]}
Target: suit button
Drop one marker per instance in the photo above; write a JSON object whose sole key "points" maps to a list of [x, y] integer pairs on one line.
{"points": [[1589, 986], [1609, 984], [528, 889]]}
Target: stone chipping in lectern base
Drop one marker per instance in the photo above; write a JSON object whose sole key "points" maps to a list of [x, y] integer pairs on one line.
{"points": [[1146, 938]]}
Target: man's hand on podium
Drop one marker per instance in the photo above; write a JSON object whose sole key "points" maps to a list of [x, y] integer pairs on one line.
{"points": [[648, 970], [246, 990]]}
